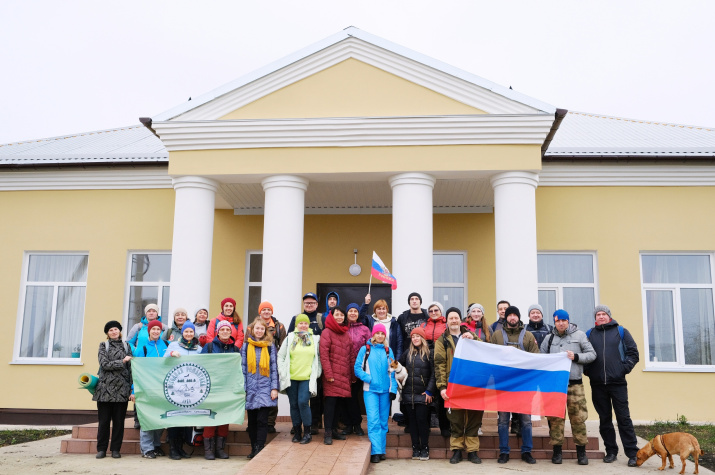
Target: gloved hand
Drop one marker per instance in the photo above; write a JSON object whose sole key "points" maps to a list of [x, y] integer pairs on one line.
{"points": [[393, 396], [203, 339]]}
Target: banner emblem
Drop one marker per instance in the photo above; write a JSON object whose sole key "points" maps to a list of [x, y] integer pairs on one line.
{"points": [[187, 385]]}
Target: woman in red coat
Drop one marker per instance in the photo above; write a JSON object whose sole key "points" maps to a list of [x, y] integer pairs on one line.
{"points": [[335, 349], [228, 313]]}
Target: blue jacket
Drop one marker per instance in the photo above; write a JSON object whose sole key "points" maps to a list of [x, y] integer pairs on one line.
{"points": [[138, 336], [396, 339], [154, 349], [176, 346], [217, 346], [376, 376], [258, 387]]}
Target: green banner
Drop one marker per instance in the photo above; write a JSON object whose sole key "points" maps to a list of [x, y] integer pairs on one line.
{"points": [[204, 390]]}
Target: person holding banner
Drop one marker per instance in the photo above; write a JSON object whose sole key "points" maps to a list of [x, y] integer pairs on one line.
{"points": [[215, 436], [186, 345], [229, 314], [114, 389], [566, 337], [260, 368], [465, 423], [150, 440], [335, 350], [372, 366], [299, 370]]}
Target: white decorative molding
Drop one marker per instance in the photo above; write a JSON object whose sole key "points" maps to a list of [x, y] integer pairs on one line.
{"points": [[402, 62], [109, 179], [627, 175], [381, 210], [197, 182], [355, 132], [515, 177]]}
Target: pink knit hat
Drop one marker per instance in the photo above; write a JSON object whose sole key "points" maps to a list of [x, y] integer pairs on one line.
{"points": [[379, 328]]}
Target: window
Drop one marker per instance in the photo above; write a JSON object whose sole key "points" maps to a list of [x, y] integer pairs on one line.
{"points": [[678, 311], [254, 277], [449, 276], [51, 307], [568, 281], [149, 282]]}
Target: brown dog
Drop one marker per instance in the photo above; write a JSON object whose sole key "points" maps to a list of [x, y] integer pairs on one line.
{"points": [[665, 445]]}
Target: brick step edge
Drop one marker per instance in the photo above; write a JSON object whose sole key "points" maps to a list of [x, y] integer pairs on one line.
{"points": [[129, 447], [489, 454], [490, 442], [90, 433]]}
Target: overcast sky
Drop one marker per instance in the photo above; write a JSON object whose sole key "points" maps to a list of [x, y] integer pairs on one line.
{"points": [[75, 66]]}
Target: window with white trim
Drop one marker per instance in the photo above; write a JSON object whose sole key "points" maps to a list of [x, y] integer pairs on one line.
{"points": [[148, 281], [449, 277], [679, 323], [567, 280], [254, 276], [51, 310]]}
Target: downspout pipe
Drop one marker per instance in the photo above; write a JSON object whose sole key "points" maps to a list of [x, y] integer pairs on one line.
{"points": [[559, 117]]}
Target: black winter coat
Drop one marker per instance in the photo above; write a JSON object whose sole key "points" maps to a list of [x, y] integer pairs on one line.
{"points": [[539, 330], [420, 378], [608, 368]]}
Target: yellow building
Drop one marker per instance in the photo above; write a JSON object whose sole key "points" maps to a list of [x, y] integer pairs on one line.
{"points": [[277, 183]]}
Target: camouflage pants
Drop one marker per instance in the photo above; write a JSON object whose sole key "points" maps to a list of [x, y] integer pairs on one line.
{"points": [[578, 413], [464, 424]]}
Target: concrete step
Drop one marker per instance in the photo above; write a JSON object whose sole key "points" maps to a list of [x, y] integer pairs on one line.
{"points": [[487, 454], [487, 441], [89, 446]]}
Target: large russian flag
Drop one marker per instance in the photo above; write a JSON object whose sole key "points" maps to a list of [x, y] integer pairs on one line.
{"points": [[501, 378], [379, 271]]}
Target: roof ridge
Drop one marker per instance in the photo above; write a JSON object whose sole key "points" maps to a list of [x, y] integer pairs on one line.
{"points": [[642, 121], [69, 136]]}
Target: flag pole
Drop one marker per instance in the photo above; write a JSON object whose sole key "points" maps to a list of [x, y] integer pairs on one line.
{"points": [[370, 284]]}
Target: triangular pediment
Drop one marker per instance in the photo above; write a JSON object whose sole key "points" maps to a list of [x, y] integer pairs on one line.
{"points": [[390, 67]]}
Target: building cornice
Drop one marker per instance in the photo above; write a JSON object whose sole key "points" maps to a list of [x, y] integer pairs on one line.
{"points": [[109, 179], [627, 175], [355, 132]]}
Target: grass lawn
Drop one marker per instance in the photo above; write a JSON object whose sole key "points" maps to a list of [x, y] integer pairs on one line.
{"points": [[11, 437], [705, 435]]}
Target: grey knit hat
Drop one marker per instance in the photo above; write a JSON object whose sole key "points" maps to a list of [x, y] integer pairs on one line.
{"points": [[439, 305], [536, 306], [473, 306], [601, 308]]}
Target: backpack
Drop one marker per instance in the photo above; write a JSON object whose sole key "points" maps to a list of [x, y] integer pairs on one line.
{"points": [[194, 436], [368, 346], [621, 345], [521, 338]]}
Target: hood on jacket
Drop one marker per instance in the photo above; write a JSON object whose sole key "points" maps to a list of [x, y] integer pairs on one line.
{"points": [[145, 321], [571, 328], [327, 307]]}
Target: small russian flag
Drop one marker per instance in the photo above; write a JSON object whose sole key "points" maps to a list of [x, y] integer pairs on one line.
{"points": [[380, 272], [499, 378]]}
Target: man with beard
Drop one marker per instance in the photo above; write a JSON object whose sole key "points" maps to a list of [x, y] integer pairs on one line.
{"points": [[513, 333]]}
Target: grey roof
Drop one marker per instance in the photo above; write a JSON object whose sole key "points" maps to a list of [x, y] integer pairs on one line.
{"points": [[593, 135], [131, 144]]}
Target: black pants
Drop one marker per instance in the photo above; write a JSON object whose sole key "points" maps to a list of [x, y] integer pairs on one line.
{"points": [[114, 412], [353, 404], [419, 424], [608, 398], [333, 404], [316, 405], [258, 426], [442, 413]]}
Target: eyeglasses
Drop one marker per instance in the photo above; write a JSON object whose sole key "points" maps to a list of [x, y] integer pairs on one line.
{"points": [[310, 303], [434, 310]]}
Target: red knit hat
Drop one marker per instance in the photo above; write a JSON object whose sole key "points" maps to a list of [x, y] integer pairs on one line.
{"points": [[419, 331], [227, 300], [152, 324]]}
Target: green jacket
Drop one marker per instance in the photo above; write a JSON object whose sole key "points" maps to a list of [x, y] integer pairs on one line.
{"points": [[529, 342], [444, 348]]}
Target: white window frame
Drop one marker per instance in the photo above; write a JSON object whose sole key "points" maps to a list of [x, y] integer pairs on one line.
{"points": [[248, 283], [559, 286], [679, 365], [129, 284], [48, 360], [464, 285]]}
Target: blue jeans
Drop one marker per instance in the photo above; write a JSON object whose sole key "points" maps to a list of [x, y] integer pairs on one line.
{"points": [[299, 398], [148, 439], [377, 409], [503, 426]]}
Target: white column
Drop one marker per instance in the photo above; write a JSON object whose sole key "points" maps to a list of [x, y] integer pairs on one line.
{"points": [[412, 242], [515, 238], [193, 243], [283, 223]]}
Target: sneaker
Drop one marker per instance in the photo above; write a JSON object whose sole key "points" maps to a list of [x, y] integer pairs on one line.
{"points": [[632, 462], [474, 457], [610, 458], [503, 458], [149, 455], [424, 454], [415, 453], [158, 452], [526, 457]]}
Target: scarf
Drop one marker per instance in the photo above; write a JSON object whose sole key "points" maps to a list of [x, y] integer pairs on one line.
{"points": [[333, 325], [304, 337], [265, 357], [189, 345]]}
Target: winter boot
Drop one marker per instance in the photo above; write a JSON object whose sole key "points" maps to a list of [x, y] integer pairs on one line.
{"points": [[556, 457], [209, 448], [297, 434], [307, 435], [328, 439], [337, 434], [220, 445], [581, 455], [180, 448], [258, 449], [358, 430], [174, 451], [253, 452]]}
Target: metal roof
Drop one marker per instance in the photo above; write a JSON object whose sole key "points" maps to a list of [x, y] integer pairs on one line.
{"points": [[593, 135], [131, 144]]}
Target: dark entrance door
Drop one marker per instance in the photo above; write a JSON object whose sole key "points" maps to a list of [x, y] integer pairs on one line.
{"points": [[355, 293]]}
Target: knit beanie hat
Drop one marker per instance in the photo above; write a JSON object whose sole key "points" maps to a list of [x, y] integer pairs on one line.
{"points": [[302, 318], [152, 324], [151, 306], [180, 310], [352, 305], [453, 309], [112, 324], [227, 300], [601, 308], [187, 324], [414, 294], [538, 307], [379, 328], [512, 309], [418, 331], [219, 325], [561, 314], [473, 306], [265, 305], [439, 306]]}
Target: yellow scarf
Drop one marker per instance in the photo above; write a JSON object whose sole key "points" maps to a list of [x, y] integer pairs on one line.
{"points": [[265, 357]]}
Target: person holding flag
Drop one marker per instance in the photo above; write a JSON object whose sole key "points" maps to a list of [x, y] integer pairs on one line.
{"points": [[380, 272]]}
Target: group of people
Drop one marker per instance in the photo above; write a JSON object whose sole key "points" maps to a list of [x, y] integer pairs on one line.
{"points": [[326, 363]]}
